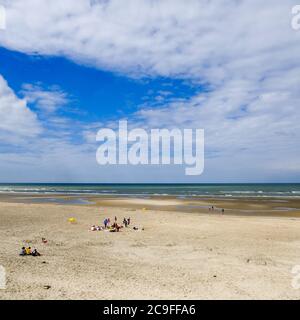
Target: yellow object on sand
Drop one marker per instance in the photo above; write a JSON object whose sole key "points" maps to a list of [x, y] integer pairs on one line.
{"points": [[144, 209], [72, 220]]}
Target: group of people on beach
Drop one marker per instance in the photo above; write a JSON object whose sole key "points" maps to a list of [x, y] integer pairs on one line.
{"points": [[106, 222], [212, 208], [27, 251], [126, 222], [112, 227]]}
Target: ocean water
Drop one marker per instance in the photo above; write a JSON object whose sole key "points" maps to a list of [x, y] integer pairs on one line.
{"points": [[148, 190]]}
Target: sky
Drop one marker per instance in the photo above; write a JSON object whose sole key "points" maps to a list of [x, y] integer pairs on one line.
{"points": [[69, 68]]}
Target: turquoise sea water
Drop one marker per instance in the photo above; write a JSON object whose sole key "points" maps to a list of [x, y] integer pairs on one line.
{"points": [[147, 190]]}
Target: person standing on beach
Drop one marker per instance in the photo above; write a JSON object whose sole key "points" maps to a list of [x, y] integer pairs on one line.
{"points": [[105, 223], [128, 221]]}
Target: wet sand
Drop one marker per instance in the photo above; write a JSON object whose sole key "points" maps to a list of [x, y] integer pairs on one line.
{"points": [[184, 252]]}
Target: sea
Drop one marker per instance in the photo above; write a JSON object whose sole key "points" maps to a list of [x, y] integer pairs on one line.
{"points": [[282, 190]]}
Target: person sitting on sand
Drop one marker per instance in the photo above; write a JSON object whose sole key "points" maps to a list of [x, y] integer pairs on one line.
{"points": [[28, 251], [44, 240], [35, 253], [23, 252], [93, 228], [116, 227]]}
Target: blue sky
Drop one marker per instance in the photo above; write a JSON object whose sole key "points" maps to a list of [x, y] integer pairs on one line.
{"points": [[79, 66], [97, 94]]}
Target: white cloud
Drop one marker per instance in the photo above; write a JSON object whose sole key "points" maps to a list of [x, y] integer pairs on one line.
{"points": [[201, 39], [47, 100], [16, 119]]}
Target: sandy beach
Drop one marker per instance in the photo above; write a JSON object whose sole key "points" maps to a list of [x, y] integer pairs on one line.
{"points": [[184, 252]]}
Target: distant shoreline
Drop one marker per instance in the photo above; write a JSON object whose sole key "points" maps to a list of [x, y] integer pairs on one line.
{"points": [[241, 206]]}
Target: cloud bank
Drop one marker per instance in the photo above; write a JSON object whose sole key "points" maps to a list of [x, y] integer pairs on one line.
{"points": [[244, 52]]}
